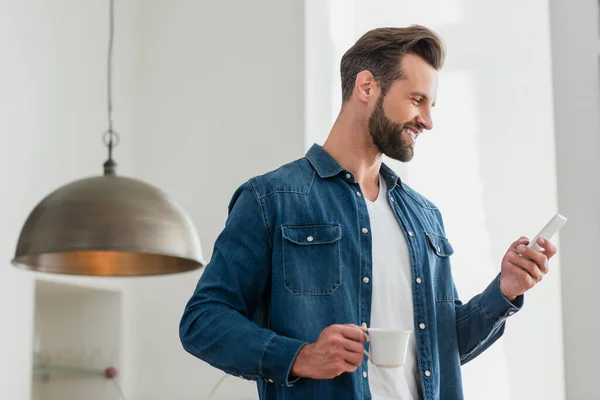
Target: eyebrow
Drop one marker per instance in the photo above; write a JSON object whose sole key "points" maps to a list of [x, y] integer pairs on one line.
{"points": [[421, 94]]}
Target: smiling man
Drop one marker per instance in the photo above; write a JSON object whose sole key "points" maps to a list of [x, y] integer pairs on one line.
{"points": [[318, 250]]}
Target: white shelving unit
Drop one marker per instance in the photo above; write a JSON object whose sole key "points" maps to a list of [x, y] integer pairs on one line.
{"points": [[77, 336]]}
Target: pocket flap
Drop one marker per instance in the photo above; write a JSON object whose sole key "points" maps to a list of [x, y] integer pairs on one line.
{"points": [[440, 245], [312, 234]]}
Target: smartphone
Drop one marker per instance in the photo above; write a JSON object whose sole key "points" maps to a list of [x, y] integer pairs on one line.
{"points": [[553, 226]]}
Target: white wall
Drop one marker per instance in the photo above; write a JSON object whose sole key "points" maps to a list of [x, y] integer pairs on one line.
{"points": [[52, 115], [575, 54], [221, 100], [488, 163]]}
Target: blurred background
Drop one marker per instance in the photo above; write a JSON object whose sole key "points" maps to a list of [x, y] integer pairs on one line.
{"points": [[210, 93]]}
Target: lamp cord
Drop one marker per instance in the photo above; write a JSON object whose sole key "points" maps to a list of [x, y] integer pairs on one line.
{"points": [[110, 137], [121, 394], [216, 386], [210, 396], [111, 38]]}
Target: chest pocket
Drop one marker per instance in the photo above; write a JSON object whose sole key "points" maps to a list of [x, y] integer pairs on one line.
{"points": [[439, 254], [440, 245], [311, 258]]}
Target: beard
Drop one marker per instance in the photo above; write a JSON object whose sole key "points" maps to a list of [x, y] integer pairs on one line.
{"points": [[388, 136]]}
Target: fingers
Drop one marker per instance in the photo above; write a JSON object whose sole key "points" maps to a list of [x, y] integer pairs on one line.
{"points": [[350, 337], [548, 246], [355, 359], [523, 277], [363, 329], [342, 348], [352, 332], [352, 340], [350, 367], [342, 366], [522, 240], [540, 259], [353, 347], [527, 265], [347, 350]]}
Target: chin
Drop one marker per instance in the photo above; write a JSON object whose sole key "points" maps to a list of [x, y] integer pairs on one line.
{"points": [[403, 155]]}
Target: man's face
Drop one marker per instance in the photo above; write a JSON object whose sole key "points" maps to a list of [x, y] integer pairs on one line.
{"points": [[405, 111]]}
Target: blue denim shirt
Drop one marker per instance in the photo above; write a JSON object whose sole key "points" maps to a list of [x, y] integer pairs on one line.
{"points": [[291, 261]]}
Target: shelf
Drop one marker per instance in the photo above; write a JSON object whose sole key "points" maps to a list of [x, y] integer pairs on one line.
{"points": [[46, 370], [77, 335]]}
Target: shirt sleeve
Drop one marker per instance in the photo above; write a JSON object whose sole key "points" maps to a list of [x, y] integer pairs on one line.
{"points": [[217, 324], [481, 321]]}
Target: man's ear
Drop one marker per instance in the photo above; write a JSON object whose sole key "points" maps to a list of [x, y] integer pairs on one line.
{"points": [[365, 86]]}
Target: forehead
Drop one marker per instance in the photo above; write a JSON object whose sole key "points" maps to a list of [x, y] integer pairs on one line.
{"points": [[418, 76]]}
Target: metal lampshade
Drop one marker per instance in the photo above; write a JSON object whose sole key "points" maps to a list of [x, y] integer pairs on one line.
{"points": [[108, 226]]}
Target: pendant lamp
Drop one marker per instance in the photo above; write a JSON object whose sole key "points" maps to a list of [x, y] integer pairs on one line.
{"points": [[108, 225]]}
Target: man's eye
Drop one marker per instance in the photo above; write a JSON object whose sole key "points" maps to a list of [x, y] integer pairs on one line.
{"points": [[416, 100]]}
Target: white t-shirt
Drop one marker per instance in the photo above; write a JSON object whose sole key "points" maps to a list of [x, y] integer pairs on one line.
{"points": [[392, 301]]}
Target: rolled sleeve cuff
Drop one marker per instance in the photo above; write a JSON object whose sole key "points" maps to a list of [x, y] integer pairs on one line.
{"points": [[277, 359], [495, 305]]}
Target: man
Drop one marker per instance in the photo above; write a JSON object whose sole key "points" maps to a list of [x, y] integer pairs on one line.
{"points": [[318, 250]]}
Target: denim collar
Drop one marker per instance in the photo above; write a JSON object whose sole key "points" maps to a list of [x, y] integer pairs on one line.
{"points": [[326, 166]]}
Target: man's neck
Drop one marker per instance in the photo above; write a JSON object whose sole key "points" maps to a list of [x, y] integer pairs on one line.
{"points": [[351, 146]]}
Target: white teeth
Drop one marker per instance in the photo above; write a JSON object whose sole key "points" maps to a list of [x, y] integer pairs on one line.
{"points": [[412, 134]]}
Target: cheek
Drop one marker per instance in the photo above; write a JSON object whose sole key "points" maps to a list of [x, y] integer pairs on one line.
{"points": [[400, 111]]}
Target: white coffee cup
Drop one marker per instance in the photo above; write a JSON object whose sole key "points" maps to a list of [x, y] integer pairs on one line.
{"points": [[388, 347]]}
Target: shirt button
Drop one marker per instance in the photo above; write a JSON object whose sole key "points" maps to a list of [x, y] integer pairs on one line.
{"points": [[364, 374], [418, 280], [359, 194], [511, 313], [427, 373], [422, 326], [410, 233], [366, 279], [365, 230], [348, 176], [309, 239], [364, 325], [270, 380], [392, 199]]}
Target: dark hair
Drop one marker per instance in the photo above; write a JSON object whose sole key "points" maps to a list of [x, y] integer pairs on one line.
{"points": [[381, 50]]}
